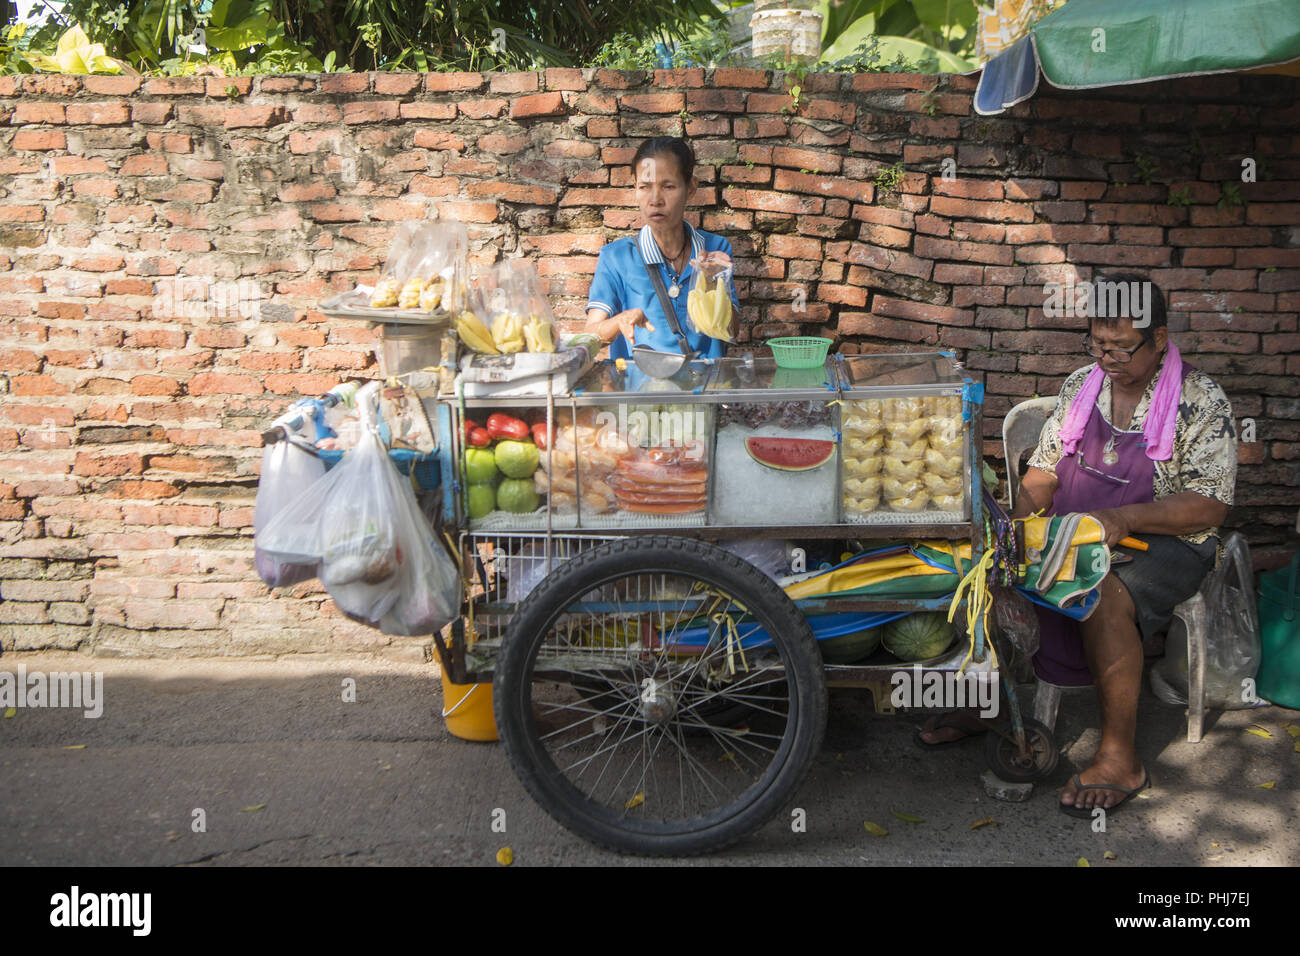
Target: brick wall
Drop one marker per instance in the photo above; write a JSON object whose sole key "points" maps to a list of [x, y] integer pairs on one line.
{"points": [[163, 243]]}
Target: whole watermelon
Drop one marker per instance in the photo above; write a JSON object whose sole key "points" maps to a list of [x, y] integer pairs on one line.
{"points": [[918, 637]]}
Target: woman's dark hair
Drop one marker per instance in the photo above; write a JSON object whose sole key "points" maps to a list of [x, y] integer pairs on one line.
{"points": [[667, 146], [1115, 300]]}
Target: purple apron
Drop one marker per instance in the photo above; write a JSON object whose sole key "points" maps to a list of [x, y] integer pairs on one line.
{"points": [[1085, 483]]}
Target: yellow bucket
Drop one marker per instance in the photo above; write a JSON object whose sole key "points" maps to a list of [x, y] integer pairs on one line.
{"points": [[467, 708]]}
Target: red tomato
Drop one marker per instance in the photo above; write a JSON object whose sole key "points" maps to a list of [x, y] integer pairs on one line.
{"points": [[480, 438]]}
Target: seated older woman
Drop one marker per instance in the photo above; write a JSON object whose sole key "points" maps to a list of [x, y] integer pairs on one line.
{"points": [[1144, 442]]}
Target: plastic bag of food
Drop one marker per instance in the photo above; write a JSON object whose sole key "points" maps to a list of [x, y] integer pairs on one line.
{"points": [[709, 303], [289, 468], [1232, 644], [436, 274], [408, 248], [518, 314]]}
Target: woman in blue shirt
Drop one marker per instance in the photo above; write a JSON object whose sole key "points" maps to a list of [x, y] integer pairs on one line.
{"points": [[622, 307]]}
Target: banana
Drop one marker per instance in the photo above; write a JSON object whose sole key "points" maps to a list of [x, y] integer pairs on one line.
{"points": [[537, 334], [474, 334]]}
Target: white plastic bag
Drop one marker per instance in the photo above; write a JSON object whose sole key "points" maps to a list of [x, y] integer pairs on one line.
{"points": [[289, 469], [1232, 641]]}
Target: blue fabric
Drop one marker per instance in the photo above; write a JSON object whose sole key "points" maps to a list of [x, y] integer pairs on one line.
{"points": [[1009, 78], [621, 283]]}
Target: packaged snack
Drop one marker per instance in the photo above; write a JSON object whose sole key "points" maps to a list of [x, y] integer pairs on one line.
{"points": [[709, 304]]}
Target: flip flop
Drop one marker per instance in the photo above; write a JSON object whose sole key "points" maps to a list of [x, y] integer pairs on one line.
{"points": [[953, 720], [1085, 813]]}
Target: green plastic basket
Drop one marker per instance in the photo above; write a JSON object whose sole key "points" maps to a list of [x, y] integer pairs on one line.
{"points": [[800, 351]]}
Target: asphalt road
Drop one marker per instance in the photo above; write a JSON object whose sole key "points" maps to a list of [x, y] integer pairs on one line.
{"points": [[287, 773]]}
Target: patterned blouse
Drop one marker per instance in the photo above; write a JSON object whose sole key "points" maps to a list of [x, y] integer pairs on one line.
{"points": [[1205, 439]]}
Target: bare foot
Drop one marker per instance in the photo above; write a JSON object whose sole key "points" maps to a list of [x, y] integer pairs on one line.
{"points": [[951, 727], [1118, 770]]}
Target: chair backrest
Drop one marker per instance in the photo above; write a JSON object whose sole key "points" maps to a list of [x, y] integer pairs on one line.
{"points": [[1020, 431]]}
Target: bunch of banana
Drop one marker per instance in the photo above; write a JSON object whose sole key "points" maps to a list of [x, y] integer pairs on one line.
{"points": [[710, 309], [537, 333], [412, 289], [474, 333], [508, 332], [432, 295], [385, 294]]}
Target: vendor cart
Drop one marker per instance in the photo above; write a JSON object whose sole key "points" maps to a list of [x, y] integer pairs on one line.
{"points": [[656, 690]]}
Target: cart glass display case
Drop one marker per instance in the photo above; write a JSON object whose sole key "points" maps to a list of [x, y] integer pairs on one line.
{"points": [[907, 451]]}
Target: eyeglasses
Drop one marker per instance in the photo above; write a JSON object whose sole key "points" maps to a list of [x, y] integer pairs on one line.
{"points": [[1119, 355]]}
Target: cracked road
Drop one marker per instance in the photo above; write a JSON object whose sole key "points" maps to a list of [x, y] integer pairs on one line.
{"points": [[279, 770]]}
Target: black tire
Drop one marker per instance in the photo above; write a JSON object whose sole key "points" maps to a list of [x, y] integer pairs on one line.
{"points": [[783, 684], [1001, 754]]}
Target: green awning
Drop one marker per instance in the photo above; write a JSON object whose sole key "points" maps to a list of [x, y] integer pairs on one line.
{"points": [[1087, 44]]}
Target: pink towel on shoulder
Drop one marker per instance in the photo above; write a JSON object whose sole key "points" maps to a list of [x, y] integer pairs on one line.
{"points": [[1162, 416]]}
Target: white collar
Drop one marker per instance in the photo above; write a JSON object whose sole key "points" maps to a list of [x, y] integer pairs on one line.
{"points": [[650, 248]]}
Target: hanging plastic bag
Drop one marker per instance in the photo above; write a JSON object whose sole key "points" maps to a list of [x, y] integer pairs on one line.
{"points": [[1232, 643], [1015, 619], [429, 583], [289, 468], [709, 302]]}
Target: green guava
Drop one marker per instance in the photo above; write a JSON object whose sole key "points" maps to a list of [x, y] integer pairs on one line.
{"points": [[480, 465], [516, 459], [517, 495], [482, 499]]}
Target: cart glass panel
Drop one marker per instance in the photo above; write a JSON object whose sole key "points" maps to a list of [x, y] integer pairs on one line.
{"points": [[775, 458], [906, 451]]}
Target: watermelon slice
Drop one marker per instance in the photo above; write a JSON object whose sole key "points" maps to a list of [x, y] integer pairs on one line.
{"points": [[790, 454]]}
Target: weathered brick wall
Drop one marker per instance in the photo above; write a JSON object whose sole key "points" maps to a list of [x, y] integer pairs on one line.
{"points": [[129, 416]]}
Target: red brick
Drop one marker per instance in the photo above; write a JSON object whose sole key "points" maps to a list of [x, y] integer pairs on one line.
{"points": [[917, 311], [39, 139], [175, 86], [435, 111], [453, 82], [1245, 236], [140, 490], [864, 323], [345, 83], [370, 111], [482, 109], [932, 248], [653, 102], [108, 465], [255, 117], [565, 78], [744, 78]]}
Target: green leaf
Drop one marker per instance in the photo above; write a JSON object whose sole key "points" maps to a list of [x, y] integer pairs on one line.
{"points": [[907, 817]]}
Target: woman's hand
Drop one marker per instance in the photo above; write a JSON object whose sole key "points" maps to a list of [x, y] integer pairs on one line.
{"points": [[1115, 523], [628, 321]]}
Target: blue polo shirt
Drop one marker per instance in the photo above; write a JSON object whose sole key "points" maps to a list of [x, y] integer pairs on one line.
{"points": [[621, 283]]}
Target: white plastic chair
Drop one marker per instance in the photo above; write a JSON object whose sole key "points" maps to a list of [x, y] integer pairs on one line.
{"points": [[1020, 431]]}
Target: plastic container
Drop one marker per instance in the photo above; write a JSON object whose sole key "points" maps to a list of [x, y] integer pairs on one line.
{"points": [[799, 351], [1278, 679], [467, 708], [409, 348]]}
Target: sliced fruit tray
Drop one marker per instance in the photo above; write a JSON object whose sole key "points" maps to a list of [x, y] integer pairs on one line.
{"points": [[353, 305]]}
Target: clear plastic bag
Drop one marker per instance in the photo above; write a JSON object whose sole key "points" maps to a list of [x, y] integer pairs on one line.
{"points": [[518, 314], [1230, 620], [770, 556], [377, 553], [289, 469], [709, 302], [1014, 616]]}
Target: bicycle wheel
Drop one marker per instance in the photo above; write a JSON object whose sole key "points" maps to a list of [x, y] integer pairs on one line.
{"points": [[619, 688]]}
